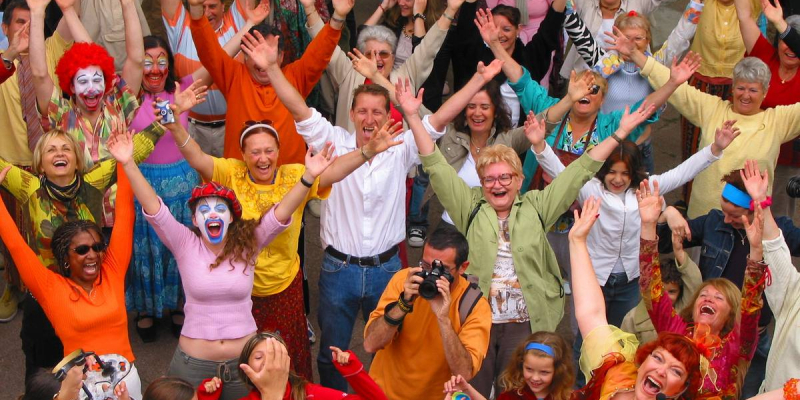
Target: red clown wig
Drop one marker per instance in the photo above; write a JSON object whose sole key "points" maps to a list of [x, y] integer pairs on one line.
{"points": [[84, 55]]}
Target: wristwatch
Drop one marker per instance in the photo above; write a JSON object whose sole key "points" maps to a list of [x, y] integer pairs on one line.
{"points": [[418, 15]]}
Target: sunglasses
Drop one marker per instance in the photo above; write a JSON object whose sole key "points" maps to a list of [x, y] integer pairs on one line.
{"points": [[263, 121], [98, 247], [382, 54], [595, 89]]}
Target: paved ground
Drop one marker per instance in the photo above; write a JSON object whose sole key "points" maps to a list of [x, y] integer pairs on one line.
{"points": [[153, 358]]}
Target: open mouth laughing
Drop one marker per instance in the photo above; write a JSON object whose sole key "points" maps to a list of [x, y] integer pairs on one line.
{"points": [[651, 386]]}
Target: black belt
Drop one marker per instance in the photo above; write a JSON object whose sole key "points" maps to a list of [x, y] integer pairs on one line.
{"points": [[372, 261], [212, 124]]}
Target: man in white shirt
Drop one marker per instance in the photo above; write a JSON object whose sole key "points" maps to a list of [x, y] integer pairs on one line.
{"points": [[363, 220]]}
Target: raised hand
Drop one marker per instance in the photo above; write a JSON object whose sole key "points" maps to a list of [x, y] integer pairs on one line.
{"points": [[317, 163], [454, 5], [490, 33], [263, 52], [196, 3], [366, 66], [488, 72], [259, 13], [584, 220], [308, 5], [65, 4], [773, 13], [20, 42], [630, 120], [274, 374], [580, 87], [681, 72], [677, 248], [343, 7], [650, 202], [419, 6], [404, 93], [341, 357], [535, 131], [387, 4], [755, 229], [724, 136], [212, 385], [186, 99], [384, 139], [120, 145], [755, 181], [38, 5], [619, 42], [157, 114]]}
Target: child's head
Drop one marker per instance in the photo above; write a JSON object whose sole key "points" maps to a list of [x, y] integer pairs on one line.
{"points": [[623, 169], [169, 388], [673, 283], [254, 353], [543, 363]]}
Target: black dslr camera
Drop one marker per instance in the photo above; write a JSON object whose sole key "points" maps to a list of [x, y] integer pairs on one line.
{"points": [[427, 288]]}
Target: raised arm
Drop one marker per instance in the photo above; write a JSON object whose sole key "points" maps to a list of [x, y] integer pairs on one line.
{"points": [[490, 34], [578, 89], [169, 8], [134, 46], [42, 82], [120, 145], [680, 72], [184, 101], [376, 16], [70, 27], [460, 100], [583, 40], [264, 53], [316, 164], [410, 106], [747, 24]]}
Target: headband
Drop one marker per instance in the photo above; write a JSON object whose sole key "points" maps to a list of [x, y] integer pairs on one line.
{"points": [[736, 196], [541, 347], [255, 126]]}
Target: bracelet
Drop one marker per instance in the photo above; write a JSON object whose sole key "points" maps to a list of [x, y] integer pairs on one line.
{"points": [[617, 138], [180, 146], [419, 15], [389, 320], [306, 183], [404, 306], [790, 389], [364, 154], [339, 20], [382, 9], [452, 19], [764, 204]]}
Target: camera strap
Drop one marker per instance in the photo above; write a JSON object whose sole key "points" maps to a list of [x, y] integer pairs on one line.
{"points": [[469, 299]]}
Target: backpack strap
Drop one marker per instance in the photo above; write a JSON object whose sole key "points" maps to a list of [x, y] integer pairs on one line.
{"points": [[472, 215], [469, 299]]}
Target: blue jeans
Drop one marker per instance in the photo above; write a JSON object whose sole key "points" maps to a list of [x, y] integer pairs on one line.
{"points": [[648, 161], [343, 289], [417, 210]]}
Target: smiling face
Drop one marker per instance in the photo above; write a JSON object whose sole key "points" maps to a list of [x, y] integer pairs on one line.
{"points": [[84, 269], [711, 308], [156, 69], [508, 33], [589, 105], [618, 178], [747, 97], [638, 36], [788, 59], [259, 74], [500, 193], [660, 372], [214, 11], [368, 114], [480, 113], [19, 17], [538, 372], [89, 85], [213, 217], [733, 214], [406, 7], [385, 55], [58, 160], [260, 154]]}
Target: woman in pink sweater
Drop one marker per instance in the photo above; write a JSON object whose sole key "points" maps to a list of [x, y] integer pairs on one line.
{"points": [[216, 261]]}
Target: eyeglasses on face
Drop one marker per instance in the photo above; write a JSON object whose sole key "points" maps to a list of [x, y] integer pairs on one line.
{"points": [[98, 247], [382, 54], [504, 179]]}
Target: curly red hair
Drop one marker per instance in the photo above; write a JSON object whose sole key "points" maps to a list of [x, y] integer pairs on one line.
{"points": [[83, 55], [683, 349]]}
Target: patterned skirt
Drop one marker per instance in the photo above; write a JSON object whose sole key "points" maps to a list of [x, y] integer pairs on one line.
{"points": [[153, 279]]}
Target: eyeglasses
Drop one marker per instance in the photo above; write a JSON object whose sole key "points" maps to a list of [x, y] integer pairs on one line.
{"points": [[595, 89], [263, 121], [382, 54], [98, 247], [504, 179]]}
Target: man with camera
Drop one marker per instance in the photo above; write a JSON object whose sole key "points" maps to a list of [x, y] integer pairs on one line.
{"points": [[429, 323]]}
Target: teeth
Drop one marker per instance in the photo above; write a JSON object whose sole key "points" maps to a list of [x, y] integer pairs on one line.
{"points": [[707, 310], [654, 383]]}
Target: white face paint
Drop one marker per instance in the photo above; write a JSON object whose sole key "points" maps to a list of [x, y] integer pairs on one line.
{"points": [[213, 217], [89, 85]]}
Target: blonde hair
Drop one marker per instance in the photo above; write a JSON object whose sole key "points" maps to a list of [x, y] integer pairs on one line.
{"points": [[498, 153], [733, 295], [626, 21], [38, 151], [598, 80]]}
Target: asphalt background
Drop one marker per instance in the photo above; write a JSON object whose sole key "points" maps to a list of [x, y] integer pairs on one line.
{"points": [[153, 359]]}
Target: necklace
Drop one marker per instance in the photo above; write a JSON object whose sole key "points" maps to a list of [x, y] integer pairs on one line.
{"points": [[741, 236], [477, 149]]}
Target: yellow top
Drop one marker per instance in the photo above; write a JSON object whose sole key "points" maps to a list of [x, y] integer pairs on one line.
{"points": [[718, 39], [278, 263]]}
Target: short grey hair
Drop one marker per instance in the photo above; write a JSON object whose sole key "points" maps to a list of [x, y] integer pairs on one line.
{"points": [[794, 22], [752, 69], [376, 32]]}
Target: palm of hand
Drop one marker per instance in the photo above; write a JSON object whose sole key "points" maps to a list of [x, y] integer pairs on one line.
{"points": [[259, 13], [650, 209], [343, 7]]}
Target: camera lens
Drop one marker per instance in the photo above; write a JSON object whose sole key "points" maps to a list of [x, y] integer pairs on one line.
{"points": [[428, 289], [793, 187]]}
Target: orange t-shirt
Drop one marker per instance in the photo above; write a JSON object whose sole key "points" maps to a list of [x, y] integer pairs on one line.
{"points": [[95, 321]]}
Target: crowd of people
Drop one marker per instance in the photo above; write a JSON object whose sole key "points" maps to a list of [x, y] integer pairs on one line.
{"points": [[153, 177]]}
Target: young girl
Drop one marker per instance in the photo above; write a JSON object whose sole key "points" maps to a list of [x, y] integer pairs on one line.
{"points": [[253, 368], [540, 368]]}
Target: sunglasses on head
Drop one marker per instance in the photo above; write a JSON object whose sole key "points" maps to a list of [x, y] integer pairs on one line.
{"points": [[84, 248], [263, 121]]}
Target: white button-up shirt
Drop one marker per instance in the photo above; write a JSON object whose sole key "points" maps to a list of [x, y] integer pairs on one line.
{"points": [[365, 214]]}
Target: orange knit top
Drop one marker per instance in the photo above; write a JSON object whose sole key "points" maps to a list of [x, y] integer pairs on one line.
{"points": [[95, 321]]}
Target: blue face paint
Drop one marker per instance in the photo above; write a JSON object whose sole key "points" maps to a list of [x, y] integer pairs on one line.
{"points": [[213, 217]]}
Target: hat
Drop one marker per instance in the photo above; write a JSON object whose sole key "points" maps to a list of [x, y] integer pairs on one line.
{"points": [[214, 189]]}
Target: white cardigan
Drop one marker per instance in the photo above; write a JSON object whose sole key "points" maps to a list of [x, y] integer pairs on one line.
{"points": [[616, 233]]}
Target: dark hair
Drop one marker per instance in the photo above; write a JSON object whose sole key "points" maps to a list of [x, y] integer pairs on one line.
{"points": [[512, 14], [446, 236], [670, 274], [151, 42], [9, 12], [297, 382], [629, 155], [433, 10], [241, 244], [734, 178], [266, 29], [373, 89], [684, 351], [62, 240], [169, 388], [41, 385], [502, 118]]}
